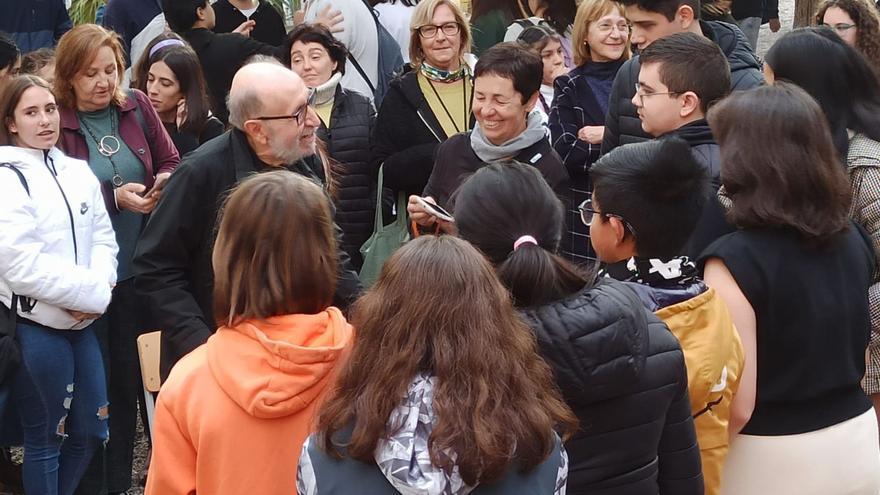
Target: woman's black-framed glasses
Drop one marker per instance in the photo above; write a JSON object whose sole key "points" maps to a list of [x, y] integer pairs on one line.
{"points": [[430, 30], [588, 212], [299, 114]]}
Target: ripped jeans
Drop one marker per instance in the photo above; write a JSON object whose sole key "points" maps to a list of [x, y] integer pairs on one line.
{"points": [[61, 395]]}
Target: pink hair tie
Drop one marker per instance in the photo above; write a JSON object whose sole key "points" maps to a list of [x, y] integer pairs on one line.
{"points": [[526, 239]]}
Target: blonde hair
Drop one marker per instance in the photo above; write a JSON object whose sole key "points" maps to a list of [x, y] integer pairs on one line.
{"points": [[424, 14], [76, 49], [588, 12]]}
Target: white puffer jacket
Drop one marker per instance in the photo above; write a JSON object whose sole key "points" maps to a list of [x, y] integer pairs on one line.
{"points": [[41, 257]]}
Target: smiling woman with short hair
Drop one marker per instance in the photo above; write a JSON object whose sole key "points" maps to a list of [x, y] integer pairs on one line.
{"points": [[508, 77]]}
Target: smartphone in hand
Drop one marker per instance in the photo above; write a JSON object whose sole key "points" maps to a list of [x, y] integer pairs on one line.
{"points": [[160, 183], [435, 210]]}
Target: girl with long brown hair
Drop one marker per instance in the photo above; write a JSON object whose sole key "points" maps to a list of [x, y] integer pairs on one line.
{"points": [[444, 376], [234, 412]]}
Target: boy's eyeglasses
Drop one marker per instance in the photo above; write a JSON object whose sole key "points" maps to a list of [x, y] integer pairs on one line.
{"points": [[588, 212], [643, 95]]}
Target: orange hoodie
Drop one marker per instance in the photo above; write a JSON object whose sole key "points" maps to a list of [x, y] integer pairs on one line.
{"points": [[234, 413]]}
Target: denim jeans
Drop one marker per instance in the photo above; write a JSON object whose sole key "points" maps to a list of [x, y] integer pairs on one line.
{"points": [[117, 332], [61, 395]]}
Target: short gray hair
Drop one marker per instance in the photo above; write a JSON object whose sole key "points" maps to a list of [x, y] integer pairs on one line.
{"points": [[243, 105]]}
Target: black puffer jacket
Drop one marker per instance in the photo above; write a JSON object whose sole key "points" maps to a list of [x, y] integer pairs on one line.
{"points": [[623, 373], [406, 135], [348, 141], [622, 124]]}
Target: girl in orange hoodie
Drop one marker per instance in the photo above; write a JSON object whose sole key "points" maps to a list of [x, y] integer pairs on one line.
{"points": [[234, 413]]}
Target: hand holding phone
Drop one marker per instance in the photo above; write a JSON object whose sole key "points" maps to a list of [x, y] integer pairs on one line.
{"points": [[435, 210], [158, 185]]}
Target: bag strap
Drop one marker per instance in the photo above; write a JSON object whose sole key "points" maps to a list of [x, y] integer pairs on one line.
{"points": [[13, 310], [13, 314], [21, 178], [357, 66], [362, 73], [377, 223]]}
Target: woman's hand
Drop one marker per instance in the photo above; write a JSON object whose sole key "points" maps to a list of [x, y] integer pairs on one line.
{"points": [[592, 133], [180, 117], [158, 186], [422, 218], [128, 197], [417, 212], [80, 316]]}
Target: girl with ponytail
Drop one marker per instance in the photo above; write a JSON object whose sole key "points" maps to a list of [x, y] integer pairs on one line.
{"points": [[618, 367]]}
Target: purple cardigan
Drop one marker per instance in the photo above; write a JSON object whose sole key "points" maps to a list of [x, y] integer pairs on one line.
{"points": [[155, 150]]}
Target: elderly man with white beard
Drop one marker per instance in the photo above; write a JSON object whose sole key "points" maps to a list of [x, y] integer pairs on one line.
{"points": [[273, 127]]}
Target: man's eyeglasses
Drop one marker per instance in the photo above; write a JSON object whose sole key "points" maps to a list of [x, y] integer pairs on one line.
{"points": [[588, 212], [642, 95], [430, 30], [299, 114], [840, 28]]}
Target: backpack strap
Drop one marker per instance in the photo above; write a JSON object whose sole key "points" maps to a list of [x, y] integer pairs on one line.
{"points": [[363, 74], [524, 23], [13, 310], [21, 178], [354, 62]]}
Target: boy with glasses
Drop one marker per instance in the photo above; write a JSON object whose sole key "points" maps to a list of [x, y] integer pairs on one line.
{"points": [[672, 96], [647, 198], [654, 20]]}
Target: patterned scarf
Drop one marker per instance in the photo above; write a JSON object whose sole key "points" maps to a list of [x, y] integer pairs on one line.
{"points": [[444, 76]]}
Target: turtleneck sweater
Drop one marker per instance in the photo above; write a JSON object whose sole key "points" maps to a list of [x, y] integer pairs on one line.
{"points": [[324, 95], [600, 77]]}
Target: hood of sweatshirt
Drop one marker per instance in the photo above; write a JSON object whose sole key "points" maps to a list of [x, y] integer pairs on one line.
{"points": [[276, 367], [404, 458]]}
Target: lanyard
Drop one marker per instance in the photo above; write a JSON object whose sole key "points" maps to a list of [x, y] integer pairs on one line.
{"points": [[467, 110]]}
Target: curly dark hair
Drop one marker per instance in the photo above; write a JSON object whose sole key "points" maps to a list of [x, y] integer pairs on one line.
{"points": [[867, 21], [315, 33]]}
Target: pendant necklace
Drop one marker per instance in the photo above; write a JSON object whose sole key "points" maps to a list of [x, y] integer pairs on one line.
{"points": [[463, 101], [108, 146]]}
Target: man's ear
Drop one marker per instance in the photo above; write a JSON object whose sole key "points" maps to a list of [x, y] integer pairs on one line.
{"points": [[690, 104], [200, 13], [686, 16], [254, 129]]}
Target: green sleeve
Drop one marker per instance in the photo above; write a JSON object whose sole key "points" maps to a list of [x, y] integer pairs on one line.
{"points": [[488, 30]]}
